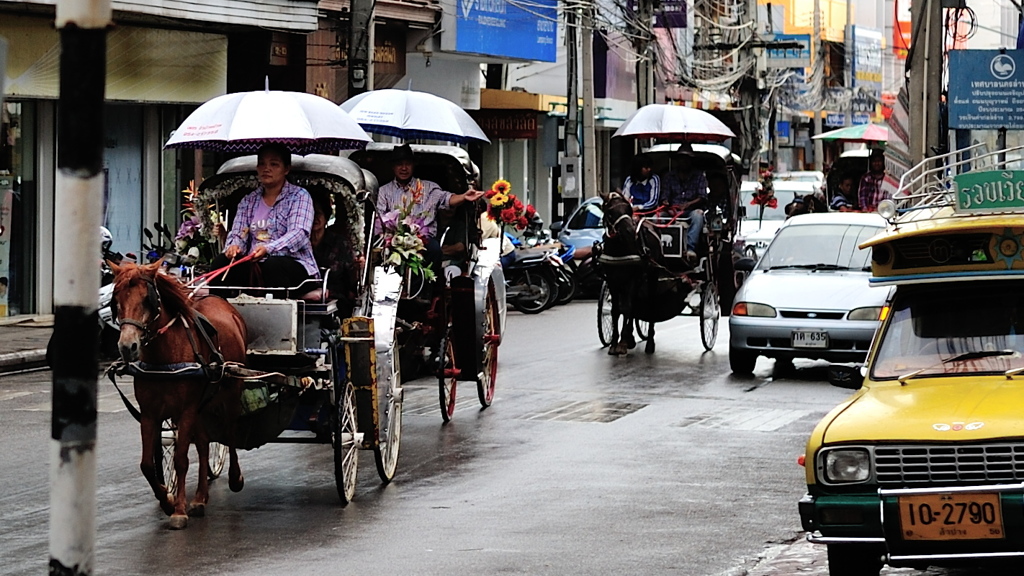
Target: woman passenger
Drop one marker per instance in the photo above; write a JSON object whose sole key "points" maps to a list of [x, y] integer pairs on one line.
{"points": [[272, 223]]}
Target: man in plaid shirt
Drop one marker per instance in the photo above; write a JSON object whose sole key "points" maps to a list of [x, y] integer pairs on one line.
{"points": [[870, 191]]}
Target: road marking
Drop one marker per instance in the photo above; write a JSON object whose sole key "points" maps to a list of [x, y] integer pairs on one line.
{"points": [[107, 403], [12, 394], [747, 419]]}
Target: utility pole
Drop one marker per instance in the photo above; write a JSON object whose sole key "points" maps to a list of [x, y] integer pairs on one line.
{"points": [[644, 63], [819, 148], [589, 130], [79, 198], [571, 162], [359, 37], [850, 43], [925, 78]]}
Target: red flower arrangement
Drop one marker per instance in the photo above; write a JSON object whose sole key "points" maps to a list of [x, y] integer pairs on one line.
{"points": [[504, 208], [765, 196]]}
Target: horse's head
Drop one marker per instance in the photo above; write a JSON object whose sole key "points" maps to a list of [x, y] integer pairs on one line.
{"points": [[136, 306], [618, 214]]}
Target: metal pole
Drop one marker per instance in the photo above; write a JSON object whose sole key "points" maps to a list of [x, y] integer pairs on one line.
{"points": [[359, 37], [589, 129], [819, 149], [851, 49], [644, 63], [572, 143], [79, 198]]}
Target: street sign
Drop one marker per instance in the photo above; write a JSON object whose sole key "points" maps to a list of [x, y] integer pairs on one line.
{"points": [[835, 119], [782, 132], [986, 92], [790, 57], [861, 119], [989, 191]]}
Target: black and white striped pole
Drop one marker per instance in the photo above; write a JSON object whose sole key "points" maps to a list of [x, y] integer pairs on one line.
{"points": [[79, 199]]}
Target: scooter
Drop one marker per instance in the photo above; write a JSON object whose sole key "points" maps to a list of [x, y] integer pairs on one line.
{"points": [[530, 283]]}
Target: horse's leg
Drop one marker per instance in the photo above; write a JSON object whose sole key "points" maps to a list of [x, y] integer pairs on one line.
{"points": [[197, 507], [150, 427], [628, 340], [186, 435], [649, 348], [615, 349], [233, 410]]}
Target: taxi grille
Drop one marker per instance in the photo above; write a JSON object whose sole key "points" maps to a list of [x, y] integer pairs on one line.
{"points": [[949, 465]]}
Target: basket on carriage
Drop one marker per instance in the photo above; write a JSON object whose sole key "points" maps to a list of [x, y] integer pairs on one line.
{"points": [[450, 326]]}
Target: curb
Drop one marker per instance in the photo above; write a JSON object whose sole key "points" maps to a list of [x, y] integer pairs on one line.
{"points": [[22, 360]]}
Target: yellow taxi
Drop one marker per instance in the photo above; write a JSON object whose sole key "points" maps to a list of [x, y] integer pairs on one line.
{"points": [[924, 464]]}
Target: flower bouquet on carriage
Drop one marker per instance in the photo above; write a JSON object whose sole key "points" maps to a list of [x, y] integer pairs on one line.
{"points": [[506, 209], [196, 241], [404, 244]]}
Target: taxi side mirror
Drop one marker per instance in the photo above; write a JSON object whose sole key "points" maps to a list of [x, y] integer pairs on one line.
{"points": [[845, 376]]}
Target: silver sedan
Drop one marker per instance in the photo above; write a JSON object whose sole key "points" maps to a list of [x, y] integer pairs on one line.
{"points": [[808, 296]]}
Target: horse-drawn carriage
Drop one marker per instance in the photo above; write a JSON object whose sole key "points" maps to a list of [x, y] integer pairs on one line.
{"points": [[653, 278], [322, 362]]}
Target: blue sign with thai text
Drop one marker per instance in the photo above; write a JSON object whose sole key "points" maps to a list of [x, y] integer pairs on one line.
{"points": [[501, 28], [989, 89]]}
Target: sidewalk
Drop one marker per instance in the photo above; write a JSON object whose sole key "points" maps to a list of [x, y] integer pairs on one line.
{"points": [[23, 342]]}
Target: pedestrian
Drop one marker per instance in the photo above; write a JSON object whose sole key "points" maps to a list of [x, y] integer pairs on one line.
{"points": [[870, 192], [642, 187]]}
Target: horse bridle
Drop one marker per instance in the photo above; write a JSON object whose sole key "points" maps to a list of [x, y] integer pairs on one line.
{"points": [[154, 303], [613, 226]]}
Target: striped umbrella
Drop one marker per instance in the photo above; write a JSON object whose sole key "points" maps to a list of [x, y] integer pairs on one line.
{"points": [[859, 133]]}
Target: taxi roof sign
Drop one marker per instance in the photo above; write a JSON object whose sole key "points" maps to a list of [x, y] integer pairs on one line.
{"points": [[989, 191]]}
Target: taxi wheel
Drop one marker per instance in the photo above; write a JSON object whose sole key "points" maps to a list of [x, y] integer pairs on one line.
{"points": [[853, 561]]}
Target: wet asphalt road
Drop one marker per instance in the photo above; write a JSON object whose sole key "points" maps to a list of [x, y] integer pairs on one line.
{"points": [[585, 464]]}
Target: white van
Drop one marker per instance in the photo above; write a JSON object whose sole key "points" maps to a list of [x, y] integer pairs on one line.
{"points": [[760, 224]]}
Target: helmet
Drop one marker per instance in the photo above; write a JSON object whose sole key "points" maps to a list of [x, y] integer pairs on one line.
{"points": [[106, 240]]}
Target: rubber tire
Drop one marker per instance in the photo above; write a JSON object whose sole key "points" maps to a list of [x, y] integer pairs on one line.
{"points": [[604, 315], [742, 362], [447, 387], [489, 364], [566, 287], [344, 423], [548, 290], [389, 425], [847, 560]]}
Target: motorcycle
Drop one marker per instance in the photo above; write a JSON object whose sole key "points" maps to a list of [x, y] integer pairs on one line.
{"points": [[530, 282]]}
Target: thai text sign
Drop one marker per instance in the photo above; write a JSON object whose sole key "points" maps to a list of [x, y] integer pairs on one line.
{"points": [[501, 28], [989, 89], [990, 191], [798, 57]]}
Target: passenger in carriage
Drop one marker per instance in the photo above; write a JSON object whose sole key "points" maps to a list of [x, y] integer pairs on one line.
{"points": [[642, 187], [408, 195], [335, 253], [685, 192], [272, 223]]}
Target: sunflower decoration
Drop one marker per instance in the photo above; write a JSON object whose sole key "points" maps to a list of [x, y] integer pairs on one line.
{"points": [[504, 208]]}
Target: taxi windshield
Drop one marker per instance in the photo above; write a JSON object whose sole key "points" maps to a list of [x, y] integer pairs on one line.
{"points": [[951, 329]]}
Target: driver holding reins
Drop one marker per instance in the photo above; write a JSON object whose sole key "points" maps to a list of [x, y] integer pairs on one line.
{"points": [[685, 192]]}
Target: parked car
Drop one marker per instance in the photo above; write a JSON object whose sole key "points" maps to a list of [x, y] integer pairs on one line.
{"points": [[582, 228], [814, 176], [759, 225], [808, 296]]}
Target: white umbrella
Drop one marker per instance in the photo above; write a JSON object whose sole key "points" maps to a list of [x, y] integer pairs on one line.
{"points": [[412, 115], [244, 121], [674, 122]]}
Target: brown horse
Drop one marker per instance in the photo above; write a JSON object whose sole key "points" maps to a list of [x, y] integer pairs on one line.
{"points": [[160, 327]]}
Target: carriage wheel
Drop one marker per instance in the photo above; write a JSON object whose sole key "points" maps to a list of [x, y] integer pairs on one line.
{"points": [[447, 378], [489, 366], [710, 312], [604, 315], [389, 427], [345, 433], [166, 475]]}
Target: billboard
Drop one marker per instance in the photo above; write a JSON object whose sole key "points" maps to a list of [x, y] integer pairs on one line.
{"points": [[503, 29], [867, 69]]}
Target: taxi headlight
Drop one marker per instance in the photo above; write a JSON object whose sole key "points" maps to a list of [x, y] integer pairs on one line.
{"points": [[866, 313], [753, 309], [886, 208], [847, 465]]}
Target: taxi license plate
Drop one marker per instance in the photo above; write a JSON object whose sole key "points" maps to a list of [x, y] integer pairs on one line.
{"points": [[809, 339], [963, 516]]}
